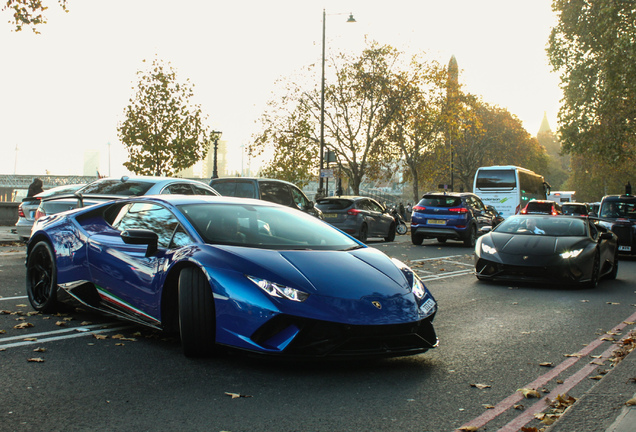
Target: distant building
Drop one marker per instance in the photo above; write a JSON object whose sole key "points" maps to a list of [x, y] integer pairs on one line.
{"points": [[205, 168]]}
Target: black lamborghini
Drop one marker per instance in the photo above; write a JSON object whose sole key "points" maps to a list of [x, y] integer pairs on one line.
{"points": [[547, 249]]}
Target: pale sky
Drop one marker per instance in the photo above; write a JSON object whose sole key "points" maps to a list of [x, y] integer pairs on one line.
{"points": [[64, 91]]}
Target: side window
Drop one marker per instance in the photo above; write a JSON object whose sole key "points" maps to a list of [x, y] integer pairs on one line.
{"points": [[245, 190], [299, 198], [276, 192], [478, 204], [373, 206], [149, 216], [198, 190], [177, 189]]}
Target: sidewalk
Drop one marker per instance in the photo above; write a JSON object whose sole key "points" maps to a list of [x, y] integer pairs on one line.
{"points": [[603, 408], [6, 236]]}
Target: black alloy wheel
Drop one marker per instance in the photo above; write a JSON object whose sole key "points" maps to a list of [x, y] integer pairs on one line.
{"points": [[41, 278], [391, 236], [197, 315], [471, 237], [364, 232], [596, 271]]}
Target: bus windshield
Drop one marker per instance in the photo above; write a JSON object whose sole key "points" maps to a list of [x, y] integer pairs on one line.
{"points": [[495, 178]]}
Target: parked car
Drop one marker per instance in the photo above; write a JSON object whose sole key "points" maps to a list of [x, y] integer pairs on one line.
{"points": [[575, 209], [454, 216], [273, 190], [28, 207], [107, 189], [236, 272], [618, 214], [548, 207], [567, 249], [359, 216]]}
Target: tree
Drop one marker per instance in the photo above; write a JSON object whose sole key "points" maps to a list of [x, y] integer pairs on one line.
{"points": [[416, 133], [490, 135], [29, 13], [163, 131], [593, 46]]}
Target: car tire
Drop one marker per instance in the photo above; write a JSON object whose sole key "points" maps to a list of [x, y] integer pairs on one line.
{"points": [[41, 278], [614, 272], [416, 239], [364, 232], [471, 237], [391, 236], [197, 319], [596, 270], [402, 229], [441, 239]]}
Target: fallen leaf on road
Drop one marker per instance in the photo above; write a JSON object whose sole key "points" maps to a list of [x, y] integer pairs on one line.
{"points": [[546, 364], [612, 303], [36, 360], [573, 355], [529, 393], [60, 323], [631, 402], [519, 407], [100, 336], [596, 377], [481, 386], [40, 349], [468, 429], [237, 395], [23, 325], [488, 406]]}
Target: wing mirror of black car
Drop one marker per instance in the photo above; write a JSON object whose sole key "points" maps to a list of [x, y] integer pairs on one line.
{"points": [[606, 236], [310, 205], [141, 237], [485, 229]]}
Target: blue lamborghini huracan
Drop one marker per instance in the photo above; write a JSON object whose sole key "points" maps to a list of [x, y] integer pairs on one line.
{"points": [[231, 272]]}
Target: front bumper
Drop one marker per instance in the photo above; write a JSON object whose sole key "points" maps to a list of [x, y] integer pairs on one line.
{"points": [[567, 272]]}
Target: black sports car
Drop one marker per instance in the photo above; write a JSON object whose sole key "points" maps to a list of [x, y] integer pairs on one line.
{"points": [[562, 249]]}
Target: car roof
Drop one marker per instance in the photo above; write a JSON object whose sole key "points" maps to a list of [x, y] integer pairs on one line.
{"points": [[619, 198], [454, 194], [248, 179], [201, 199]]}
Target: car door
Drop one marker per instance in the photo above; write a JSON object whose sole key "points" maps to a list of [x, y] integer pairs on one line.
{"points": [[481, 215], [375, 218], [127, 280]]}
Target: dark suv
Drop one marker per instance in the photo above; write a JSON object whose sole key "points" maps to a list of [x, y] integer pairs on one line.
{"points": [[455, 216], [276, 191], [359, 216]]}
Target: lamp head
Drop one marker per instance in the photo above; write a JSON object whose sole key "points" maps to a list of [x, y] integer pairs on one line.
{"points": [[351, 18]]}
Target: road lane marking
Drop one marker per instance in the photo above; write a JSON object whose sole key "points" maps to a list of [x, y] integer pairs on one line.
{"points": [[78, 332], [13, 298], [540, 405], [436, 258]]}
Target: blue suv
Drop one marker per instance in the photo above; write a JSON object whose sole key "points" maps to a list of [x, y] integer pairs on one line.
{"points": [[455, 216]]}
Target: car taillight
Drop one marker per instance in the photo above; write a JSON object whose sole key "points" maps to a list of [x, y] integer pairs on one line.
{"points": [[524, 211], [419, 208], [20, 211], [353, 212], [38, 214], [458, 210]]}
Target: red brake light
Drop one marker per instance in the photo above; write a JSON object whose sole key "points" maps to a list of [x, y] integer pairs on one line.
{"points": [[20, 211], [524, 211], [353, 212], [419, 208], [458, 210]]}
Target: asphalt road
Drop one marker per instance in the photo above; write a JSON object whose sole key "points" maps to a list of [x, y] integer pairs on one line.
{"points": [[84, 372]]}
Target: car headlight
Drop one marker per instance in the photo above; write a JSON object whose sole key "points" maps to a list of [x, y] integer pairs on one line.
{"points": [[571, 254], [488, 249], [417, 287], [279, 291]]}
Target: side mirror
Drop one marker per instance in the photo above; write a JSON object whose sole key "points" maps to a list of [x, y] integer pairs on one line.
{"points": [[606, 236], [141, 237], [485, 230], [310, 205]]}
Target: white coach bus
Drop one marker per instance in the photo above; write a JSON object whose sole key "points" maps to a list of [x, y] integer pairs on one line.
{"points": [[508, 188]]}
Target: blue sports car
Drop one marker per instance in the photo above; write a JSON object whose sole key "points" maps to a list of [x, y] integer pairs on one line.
{"points": [[237, 272]]}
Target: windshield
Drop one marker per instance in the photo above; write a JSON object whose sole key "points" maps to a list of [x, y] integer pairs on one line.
{"points": [[440, 201], [116, 187], [619, 209], [263, 227], [543, 225], [496, 178]]}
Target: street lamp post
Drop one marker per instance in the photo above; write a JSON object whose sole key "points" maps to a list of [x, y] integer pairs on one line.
{"points": [[321, 189], [217, 135]]}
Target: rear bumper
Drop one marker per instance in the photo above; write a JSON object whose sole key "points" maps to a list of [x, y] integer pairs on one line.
{"points": [[434, 232]]}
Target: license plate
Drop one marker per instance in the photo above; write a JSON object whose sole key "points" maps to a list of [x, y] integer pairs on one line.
{"points": [[625, 248], [436, 222], [428, 306], [330, 215]]}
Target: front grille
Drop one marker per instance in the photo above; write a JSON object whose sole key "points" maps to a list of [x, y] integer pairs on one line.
{"points": [[624, 234], [327, 339]]}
